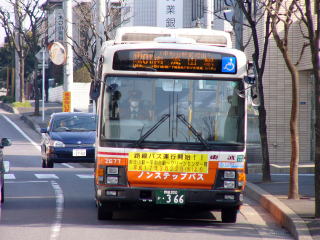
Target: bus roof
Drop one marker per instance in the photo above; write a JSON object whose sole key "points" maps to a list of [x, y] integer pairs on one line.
{"points": [[138, 34]]}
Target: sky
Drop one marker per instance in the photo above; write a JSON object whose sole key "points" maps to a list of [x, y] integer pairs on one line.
{"points": [[4, 4]]}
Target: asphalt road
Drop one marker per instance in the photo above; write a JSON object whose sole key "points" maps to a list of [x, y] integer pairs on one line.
{"points": [[59, 204]]}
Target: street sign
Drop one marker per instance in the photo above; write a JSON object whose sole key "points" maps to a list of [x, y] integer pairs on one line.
{"points": [[41, 65], [66, 102]]}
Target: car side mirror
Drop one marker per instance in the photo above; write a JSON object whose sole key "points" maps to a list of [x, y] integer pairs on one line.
{"points": [[6, 165], [95, 90], [43, 130], [5, 142]]}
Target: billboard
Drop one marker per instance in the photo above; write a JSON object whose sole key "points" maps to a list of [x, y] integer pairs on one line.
{"points": [[170, 13]]}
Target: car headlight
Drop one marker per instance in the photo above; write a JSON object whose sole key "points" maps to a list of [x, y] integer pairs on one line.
{"points": [[57, 144]]}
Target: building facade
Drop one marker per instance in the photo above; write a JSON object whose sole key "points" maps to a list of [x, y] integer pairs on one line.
{"points": [[170, 13], [277, 86]]}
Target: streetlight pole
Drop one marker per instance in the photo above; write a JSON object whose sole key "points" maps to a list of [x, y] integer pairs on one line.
{"points": [[68, 80], [43, 79]]}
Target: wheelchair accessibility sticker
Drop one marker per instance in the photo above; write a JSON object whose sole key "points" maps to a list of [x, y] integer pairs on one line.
{"points": [[228, 65]]}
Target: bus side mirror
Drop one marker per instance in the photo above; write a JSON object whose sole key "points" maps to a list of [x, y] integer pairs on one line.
{"points": [[95, 90], [254, 94], [250, 79]]}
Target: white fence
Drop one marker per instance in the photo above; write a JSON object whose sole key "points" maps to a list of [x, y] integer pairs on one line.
{"points": [[80, 96]]}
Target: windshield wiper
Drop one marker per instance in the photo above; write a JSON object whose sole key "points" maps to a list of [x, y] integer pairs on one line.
{"points": [[151, 130], [192, 129]]}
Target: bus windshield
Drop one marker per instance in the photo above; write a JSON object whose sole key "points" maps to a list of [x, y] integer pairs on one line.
{"points": [[172, 110]]}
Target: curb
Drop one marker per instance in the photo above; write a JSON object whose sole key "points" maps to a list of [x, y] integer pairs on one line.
{"points": [[26, 119], [283, 214], [31, 124], [8, 108]]}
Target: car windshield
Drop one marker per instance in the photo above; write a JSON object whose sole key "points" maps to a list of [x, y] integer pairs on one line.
{"points": [[171, 110], [74, 123]]}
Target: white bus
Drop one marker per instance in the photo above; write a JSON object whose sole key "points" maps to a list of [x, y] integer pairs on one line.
{"points": [[172, 121]]}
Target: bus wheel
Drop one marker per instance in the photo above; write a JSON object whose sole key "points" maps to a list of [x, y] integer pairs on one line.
{"points": [[103, 213], [229, 215]]}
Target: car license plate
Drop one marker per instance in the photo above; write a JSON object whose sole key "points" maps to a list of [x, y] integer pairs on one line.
{"points": [[79, 152], [175, 197]]}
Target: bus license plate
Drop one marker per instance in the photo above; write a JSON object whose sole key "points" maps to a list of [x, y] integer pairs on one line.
{"points": [[79, 152], [174, 197]]}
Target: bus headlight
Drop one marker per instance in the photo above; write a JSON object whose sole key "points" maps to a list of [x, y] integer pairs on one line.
{"points": [[112, 180], [229, 174], [112, 170], [229, 184]]}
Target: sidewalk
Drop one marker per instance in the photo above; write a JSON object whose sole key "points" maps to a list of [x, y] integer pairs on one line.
{"points": [[297, 216]]}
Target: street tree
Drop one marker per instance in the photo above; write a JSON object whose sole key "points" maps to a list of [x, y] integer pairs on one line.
{"points": [[254, 13], [283, 15], [85, 49], [6, 63], [32, 35], [12, 29], [27, 29], [311, 18]]}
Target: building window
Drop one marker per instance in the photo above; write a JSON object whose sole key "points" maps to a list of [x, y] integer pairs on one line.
{"points": [[197, 9], [221, 5]]}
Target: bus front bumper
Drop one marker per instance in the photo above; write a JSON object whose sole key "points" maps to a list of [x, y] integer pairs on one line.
{"points": [[122, 197]]}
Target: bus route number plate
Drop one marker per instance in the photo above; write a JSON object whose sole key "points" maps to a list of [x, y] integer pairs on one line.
{"points": [[174, 197]]}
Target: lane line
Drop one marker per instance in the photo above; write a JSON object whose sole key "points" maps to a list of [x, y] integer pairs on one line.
{"points": [[67, 165], [22, 133], [56, 227]]}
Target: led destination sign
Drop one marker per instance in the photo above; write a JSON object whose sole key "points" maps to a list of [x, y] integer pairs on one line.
{"points": [[174, 61]]}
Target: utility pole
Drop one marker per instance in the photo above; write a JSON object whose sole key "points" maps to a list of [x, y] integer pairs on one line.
{"points": [[209, 14], [16, 53], [100, 21], [238, 26], [68, 100]]}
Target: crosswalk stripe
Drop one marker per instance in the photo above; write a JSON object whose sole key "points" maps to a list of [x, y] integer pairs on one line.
{"points": [[9, 176], [46, 176], [85, 176]]}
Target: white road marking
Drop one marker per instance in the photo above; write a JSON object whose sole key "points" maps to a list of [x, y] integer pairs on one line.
{"points": [[9, 176], [85, 176], [26, 182], [46, 176], [23, 133], [67, 165], [56, 227]]}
